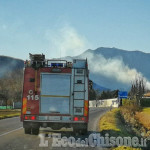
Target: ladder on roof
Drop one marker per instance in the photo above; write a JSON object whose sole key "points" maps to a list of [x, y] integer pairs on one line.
{"points": [[79, 91]]}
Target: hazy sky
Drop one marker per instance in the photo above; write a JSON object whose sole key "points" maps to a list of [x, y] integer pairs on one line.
{"points": [[69, 27]]}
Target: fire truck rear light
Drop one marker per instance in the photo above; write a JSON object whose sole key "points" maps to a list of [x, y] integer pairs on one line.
{"points": [[26, 117], [76, 119], [83, 119], [32, 117]]}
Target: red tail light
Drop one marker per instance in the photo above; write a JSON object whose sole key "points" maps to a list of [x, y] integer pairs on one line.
{"points": [[83, 119], [26, 117], [32, 117], [76, 118]]}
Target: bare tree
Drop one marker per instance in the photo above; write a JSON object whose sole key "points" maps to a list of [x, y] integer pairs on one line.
{"points": [[138, 88], [11, 87]]}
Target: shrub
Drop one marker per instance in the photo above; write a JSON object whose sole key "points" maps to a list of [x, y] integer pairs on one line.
{"points": [[144, 117], [130, 106]]}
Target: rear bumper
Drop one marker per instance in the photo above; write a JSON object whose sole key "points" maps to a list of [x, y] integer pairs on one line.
{"points": [[54, 119], [56, 125], [55, 122]]}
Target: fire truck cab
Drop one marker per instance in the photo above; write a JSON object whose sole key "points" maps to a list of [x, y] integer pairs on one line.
{"points": [[55, 94]]}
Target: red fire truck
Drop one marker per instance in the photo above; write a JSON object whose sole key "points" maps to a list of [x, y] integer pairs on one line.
{"points": [[55, 94]]}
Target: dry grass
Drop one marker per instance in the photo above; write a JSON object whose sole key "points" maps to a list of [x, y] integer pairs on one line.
{"points": [[9, 113], [144, 117], [126, 148], [109, 121]]}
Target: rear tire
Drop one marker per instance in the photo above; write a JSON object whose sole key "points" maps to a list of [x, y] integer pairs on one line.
{"points": [[82, 130], [27, 130], [35, 131]]}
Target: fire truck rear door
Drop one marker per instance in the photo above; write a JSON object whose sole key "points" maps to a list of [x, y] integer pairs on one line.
{"points": [[55, 93]]}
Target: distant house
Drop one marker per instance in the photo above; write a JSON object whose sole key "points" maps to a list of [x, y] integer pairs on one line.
{"points": [[17, 105], [147, 95]]}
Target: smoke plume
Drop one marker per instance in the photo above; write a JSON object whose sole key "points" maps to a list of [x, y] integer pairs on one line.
{"points": [[66, 41], [113, 68]]}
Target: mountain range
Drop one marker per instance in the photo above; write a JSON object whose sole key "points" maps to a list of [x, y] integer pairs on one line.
{"points": [[110, 68], [115, 68], [9, 64]]}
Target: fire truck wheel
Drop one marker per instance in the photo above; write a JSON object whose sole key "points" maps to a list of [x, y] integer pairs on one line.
{"points": [[78, 132], [27, 130], [35, 131], [83, 130]]}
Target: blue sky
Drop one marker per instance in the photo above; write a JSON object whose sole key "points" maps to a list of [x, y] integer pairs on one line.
{"points": [[69, 27]]}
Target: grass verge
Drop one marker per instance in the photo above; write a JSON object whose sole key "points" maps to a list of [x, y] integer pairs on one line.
{"points": [[8, 113], [112, 123]]}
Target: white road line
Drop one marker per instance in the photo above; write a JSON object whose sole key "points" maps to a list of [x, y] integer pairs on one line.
{"points": [[10, 131]]}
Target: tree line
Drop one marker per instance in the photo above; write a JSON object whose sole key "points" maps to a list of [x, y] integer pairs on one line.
{"points": [[11, 87], [138, 89], [136, 92], [97, 95]]}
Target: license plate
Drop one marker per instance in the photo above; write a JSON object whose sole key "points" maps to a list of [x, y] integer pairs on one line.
{"points": [[55, 118], [42, 117]]}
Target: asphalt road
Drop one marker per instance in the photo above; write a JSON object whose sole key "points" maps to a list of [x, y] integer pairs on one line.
{"points": [[12, 135]]}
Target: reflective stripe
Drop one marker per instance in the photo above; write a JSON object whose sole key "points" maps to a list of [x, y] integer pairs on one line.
{"points": [[86, 108], [54, 96], [24, 107]]}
